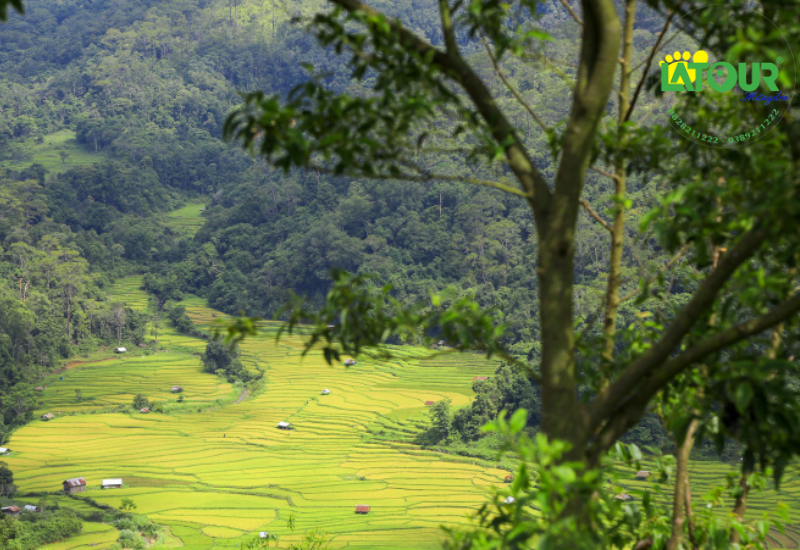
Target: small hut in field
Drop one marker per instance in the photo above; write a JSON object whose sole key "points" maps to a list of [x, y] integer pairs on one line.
{"points": [[642, 474], [480, 378], [326, 391], [12, 511], [48, 416], [120, 350], [263, 534], [115, 483], [623, 497], [74, 485], [349, 362], [508, 479], [509, 500], [285, 426], [429, 403], [362, 508], [4, 451], [145, 410], [176, 389], [31, 508]]}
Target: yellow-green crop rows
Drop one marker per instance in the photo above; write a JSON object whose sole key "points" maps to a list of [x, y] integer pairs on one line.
{"points": [[188, 219], [218, 476]]}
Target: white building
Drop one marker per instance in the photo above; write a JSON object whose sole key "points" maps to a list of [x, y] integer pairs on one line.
{"points": [[115, 483]]}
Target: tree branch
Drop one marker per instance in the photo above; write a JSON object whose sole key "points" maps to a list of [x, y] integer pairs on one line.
{"points": [[574, 15], [447, 28], [533, 183], [595, 215], [650, 59], [605, 173], [508, 85], [644, 366], [628, 412]]}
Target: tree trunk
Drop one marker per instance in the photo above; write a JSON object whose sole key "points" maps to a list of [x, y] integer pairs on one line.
{"points": [[681, 499]]}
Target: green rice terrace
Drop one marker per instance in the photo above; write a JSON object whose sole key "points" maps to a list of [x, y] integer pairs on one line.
{"points": [[215, 470]]}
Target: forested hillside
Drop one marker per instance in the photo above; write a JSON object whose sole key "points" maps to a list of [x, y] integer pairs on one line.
{"points": [[126, 99]]}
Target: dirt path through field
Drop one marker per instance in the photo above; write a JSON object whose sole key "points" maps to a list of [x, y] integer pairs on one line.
{"points": [[242, 397]]}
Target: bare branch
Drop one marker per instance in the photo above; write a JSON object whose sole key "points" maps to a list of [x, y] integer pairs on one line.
{"points": [[574, 15], [508, 85], [595, 215], [650, 59], [605, 173]]}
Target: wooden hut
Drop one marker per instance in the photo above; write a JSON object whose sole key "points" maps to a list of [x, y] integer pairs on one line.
{"points": [[74, 485], [115, 483], [362, 508], [508, 479], [48, 416], [11, 511]]}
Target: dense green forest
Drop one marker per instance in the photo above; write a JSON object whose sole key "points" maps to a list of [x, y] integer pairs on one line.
{"points": [[143, 88]]}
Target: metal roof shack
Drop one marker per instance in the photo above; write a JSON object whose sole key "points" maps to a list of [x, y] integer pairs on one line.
{"points": [[263, 534], [623, 496], [480, 378], [4, 450], [31, 508], [115, 483], [39, 388], [74, 485], [362, 508], [11, 510], [176, 389], [642, 474], [48, 416], [428, 403], [349, 362], [326, 391], [120, 350], [508, 479], [509, 500], [145, 410], [284, 426]]}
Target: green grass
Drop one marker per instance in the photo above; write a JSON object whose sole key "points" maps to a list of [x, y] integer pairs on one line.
{"points": [[188, 219], [48, 153]]}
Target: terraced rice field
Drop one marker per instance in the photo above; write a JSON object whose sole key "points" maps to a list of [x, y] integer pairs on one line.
{"points": [[217, 472], [221, 475], [189, 218]]}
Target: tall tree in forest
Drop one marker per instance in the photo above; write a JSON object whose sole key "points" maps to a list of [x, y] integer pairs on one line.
{"points": [[751, 221]]}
